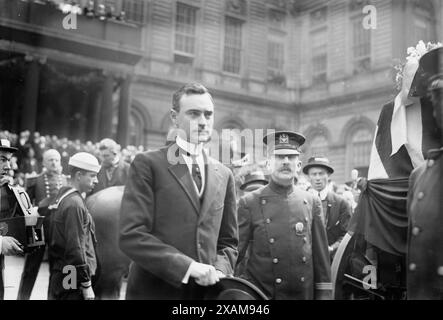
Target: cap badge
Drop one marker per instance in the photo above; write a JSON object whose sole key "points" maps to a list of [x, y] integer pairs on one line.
{"points": [[283, 138]]}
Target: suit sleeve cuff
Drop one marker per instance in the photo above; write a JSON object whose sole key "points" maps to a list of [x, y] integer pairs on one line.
{"points": [[185, 279], [323, 286]]}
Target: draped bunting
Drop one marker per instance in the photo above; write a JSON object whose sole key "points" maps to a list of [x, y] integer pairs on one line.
{"points": [[381, 214]]}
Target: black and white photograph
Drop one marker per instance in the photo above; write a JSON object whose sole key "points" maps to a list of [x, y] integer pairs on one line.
{"points": [[232, 150]]}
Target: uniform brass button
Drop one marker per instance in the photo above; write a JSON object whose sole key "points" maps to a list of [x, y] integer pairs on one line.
{"points": [[412, 266], [415, 231], [263, 201], [430, 163], [440, 271], [305, 240], [304, 259], [420, 195], [199, 245], [271, 240], [275, 260], [268, 220], [278, 280], [305, 201], [306, 219], [302, 279]]}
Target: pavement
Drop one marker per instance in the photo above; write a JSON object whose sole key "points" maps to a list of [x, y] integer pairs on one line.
{"points": [[12, 274]]}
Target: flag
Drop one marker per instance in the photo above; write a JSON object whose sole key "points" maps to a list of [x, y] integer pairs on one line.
{"points": [[405, 132]]}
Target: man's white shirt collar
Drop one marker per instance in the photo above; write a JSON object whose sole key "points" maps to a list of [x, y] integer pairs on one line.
{"points": [[323, 194], [193, 149]]}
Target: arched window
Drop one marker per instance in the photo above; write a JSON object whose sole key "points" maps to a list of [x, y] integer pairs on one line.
{"points": [[319, 146], [360, 144], [136, 126], [136, 129]]}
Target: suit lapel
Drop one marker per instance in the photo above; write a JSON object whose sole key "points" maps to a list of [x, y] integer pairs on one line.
{"points": [[329, 209], [181, 173], [212, 184]]}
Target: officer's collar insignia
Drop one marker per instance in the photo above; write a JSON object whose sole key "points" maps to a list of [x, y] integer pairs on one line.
{"points": [[283, 138]]}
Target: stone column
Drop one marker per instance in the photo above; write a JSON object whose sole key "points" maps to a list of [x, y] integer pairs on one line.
{"points": [[29, 111], [106, 108], [124, 111]]}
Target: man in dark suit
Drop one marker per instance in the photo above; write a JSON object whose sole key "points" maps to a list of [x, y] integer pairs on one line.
{"points": [[114, 171], [284, 229], [336, 209], [178, 219]]}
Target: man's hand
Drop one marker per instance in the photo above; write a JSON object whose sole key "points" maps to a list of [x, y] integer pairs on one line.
{"points": [[88, 293], [11, 247], [204, 274]]}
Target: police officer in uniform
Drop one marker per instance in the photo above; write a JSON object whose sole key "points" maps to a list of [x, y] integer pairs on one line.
{"points": [[425, 199], [289, 257]]}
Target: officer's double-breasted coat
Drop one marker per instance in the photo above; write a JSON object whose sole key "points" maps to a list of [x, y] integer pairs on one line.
{"points": [[425, 234], [289, 257]]}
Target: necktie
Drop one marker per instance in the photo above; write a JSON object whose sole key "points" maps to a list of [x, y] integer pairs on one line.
{"points": [[196, 174]]}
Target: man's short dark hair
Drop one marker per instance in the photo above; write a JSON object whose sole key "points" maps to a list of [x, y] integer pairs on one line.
{"points": [[73, 170], [187, 89]]}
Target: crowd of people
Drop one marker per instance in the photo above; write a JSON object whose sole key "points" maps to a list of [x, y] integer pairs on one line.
{"points": [[28, 160]]}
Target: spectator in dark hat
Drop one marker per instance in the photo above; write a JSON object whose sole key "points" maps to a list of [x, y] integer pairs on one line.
{"points": [[337, 210]]}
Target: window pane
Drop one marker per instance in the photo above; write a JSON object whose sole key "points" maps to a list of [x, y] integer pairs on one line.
{"points": [[185, 28], [232, 50]]}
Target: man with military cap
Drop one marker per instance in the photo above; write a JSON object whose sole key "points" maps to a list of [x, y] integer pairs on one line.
{"points": [[289, 258], [425, 196], [72, 242], [8, 245], [42, 190], [337, 211]]}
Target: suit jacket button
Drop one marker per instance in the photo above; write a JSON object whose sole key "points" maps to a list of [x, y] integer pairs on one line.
{"points": [[420, 195], [199, 245], [302, 279], [275, 260], [263, 201], [412, 267], [305, 240], [440, 271], [415, 231], [430, 163], [303, 259], [268, 220], [271, 240], [278, 280], [305, 201]]}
